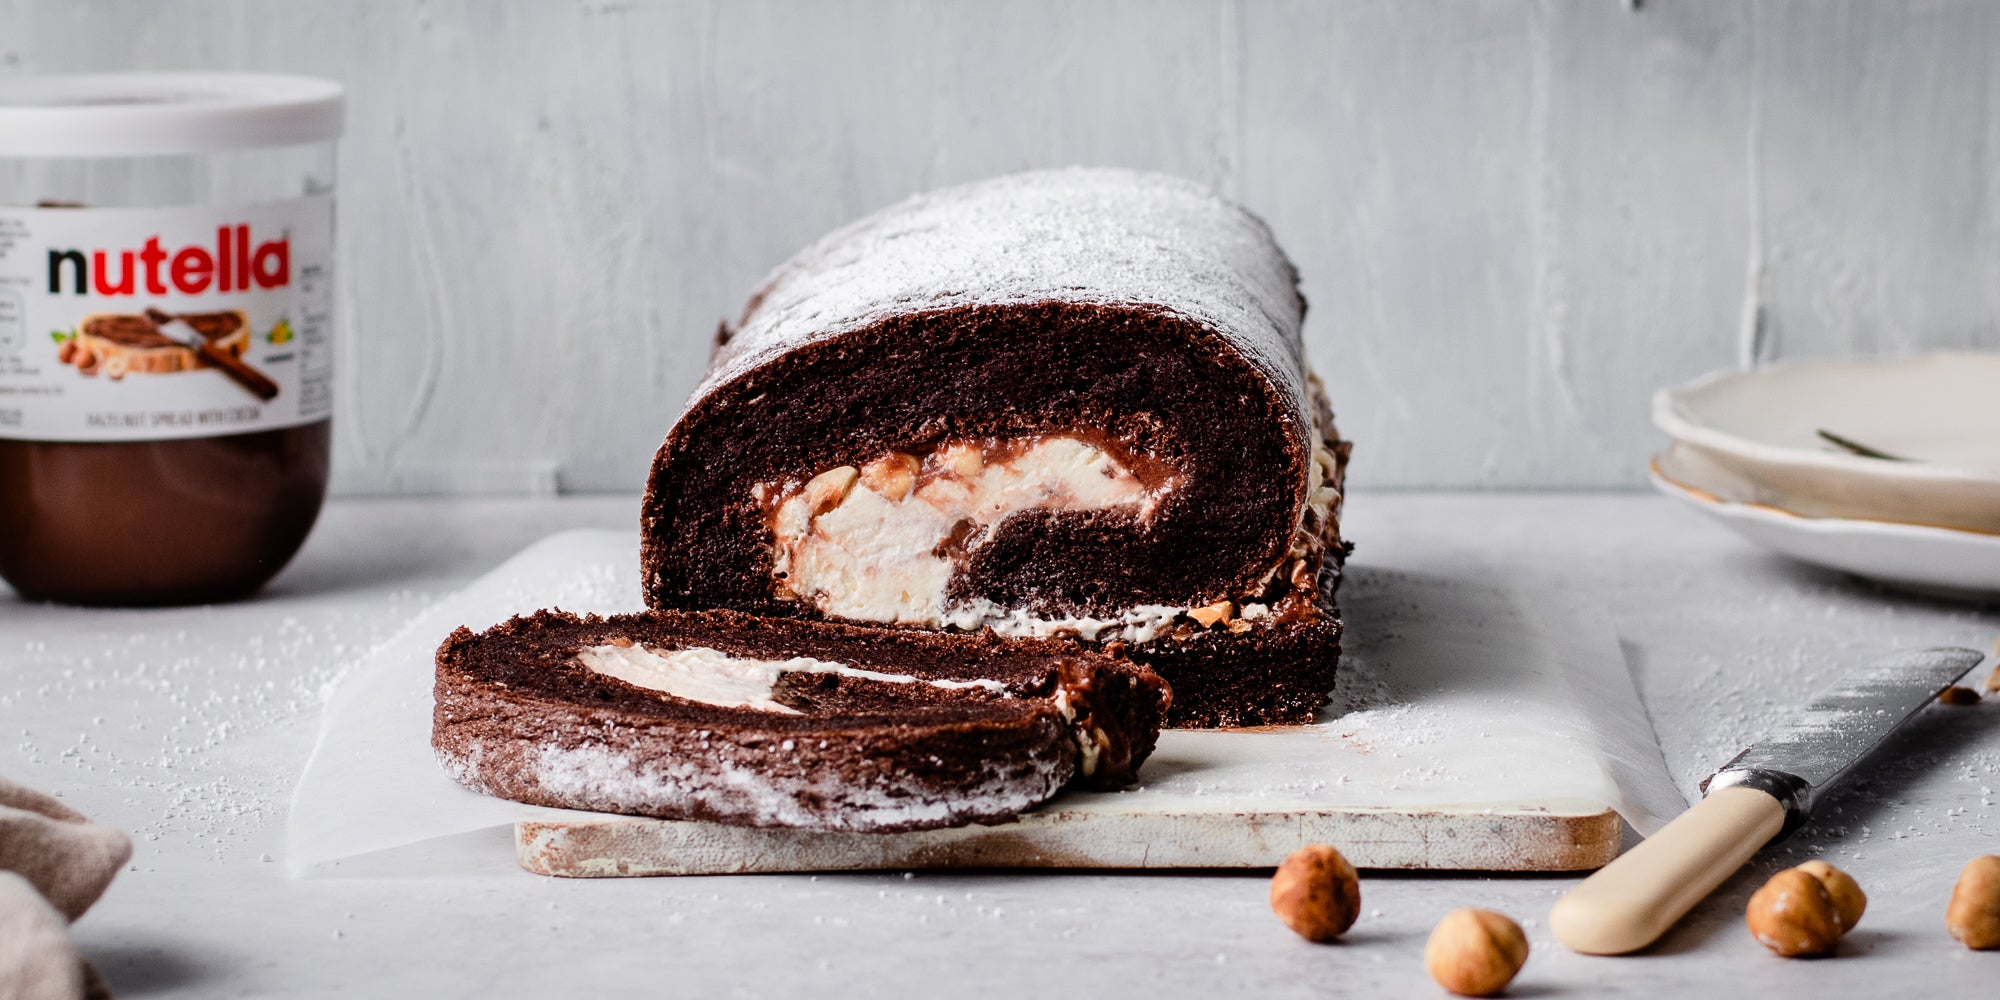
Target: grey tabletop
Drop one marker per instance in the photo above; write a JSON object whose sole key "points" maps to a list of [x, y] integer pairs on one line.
{"points": [[187, 727]]}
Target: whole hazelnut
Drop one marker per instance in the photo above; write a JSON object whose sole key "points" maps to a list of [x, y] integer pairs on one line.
{"points": [[67, 352], [1973, 916], [1958, 695], [1848, 898], [86, 360], [1316, 893], [1794, 915], [1475, 953]]}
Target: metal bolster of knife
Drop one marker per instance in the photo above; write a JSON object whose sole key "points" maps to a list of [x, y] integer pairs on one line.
{"points": [[1791, 791]]}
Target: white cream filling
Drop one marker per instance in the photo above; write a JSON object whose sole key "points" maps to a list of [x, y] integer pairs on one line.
{"points": [[872, 545], [1089, 745], [1139, 623], [713, 677], [877, 553], [1321, 495]]}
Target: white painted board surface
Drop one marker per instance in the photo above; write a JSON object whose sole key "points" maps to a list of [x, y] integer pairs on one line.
{"points": [[1477, 727]]}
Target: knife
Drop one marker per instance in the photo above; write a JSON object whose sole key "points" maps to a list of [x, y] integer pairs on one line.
{"points": [[1759, 797], [180, 332]]}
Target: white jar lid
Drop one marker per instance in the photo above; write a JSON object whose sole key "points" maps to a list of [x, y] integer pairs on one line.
{"points": [[91, 115]]}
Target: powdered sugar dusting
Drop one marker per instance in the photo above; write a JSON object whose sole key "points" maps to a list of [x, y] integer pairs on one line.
{"points": [[605, 780], [1087, 236]]}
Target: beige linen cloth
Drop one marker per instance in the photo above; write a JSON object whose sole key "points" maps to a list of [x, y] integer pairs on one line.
{"points": [[54, 863]]}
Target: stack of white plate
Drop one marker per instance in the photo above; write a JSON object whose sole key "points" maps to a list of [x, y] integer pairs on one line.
{"points": [[1886, 468]]}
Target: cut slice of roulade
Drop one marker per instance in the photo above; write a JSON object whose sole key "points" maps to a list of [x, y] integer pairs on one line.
{"points": [[754, 721], [1059, 403]]}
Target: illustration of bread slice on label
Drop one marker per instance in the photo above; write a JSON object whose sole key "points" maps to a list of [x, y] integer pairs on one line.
{"points": [[131, 343]]}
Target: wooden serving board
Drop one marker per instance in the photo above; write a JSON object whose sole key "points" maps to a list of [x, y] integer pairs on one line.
{"points": [[1478, 727], [1482, 722], [1552, 837]]}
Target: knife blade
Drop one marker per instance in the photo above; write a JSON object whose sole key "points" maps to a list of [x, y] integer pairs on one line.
{"points": [[239, 371], [1759, 797]]}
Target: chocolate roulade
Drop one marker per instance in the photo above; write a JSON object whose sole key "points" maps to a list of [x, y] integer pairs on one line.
{"points": [[755, 721], [1068, 402]]}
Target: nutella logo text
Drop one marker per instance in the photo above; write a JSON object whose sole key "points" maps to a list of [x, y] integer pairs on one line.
{"points": [[231, 265]]}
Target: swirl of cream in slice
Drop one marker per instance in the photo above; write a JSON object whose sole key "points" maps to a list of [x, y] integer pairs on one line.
{"points": [[713, 677]]}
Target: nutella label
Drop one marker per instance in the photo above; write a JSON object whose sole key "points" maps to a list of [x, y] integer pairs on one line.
{"points": [[139, 324]]}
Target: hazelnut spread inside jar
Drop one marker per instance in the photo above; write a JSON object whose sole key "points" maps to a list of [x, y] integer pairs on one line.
{"points": [[166, 331]]}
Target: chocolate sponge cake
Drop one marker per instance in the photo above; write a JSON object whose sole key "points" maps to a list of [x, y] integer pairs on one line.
{"points": [[759, 721], [1064, 403]]}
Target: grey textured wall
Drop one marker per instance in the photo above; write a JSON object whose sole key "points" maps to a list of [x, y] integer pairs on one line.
{"points": [[1514, 218]]}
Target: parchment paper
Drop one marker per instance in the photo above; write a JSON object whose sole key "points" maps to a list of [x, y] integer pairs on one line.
{"points": [[1454, 693]]}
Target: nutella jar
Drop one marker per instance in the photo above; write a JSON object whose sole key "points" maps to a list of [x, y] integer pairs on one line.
{"points": [[166, 331]]}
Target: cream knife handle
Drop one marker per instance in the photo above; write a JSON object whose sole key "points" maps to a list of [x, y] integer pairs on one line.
{"points": [[1633, 900]]}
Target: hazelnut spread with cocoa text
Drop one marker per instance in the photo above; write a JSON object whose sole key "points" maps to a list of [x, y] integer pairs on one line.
{"points": [[166, 331]]}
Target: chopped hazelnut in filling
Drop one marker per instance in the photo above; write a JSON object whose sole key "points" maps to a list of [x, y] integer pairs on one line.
{"points": [[882, 542]]}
